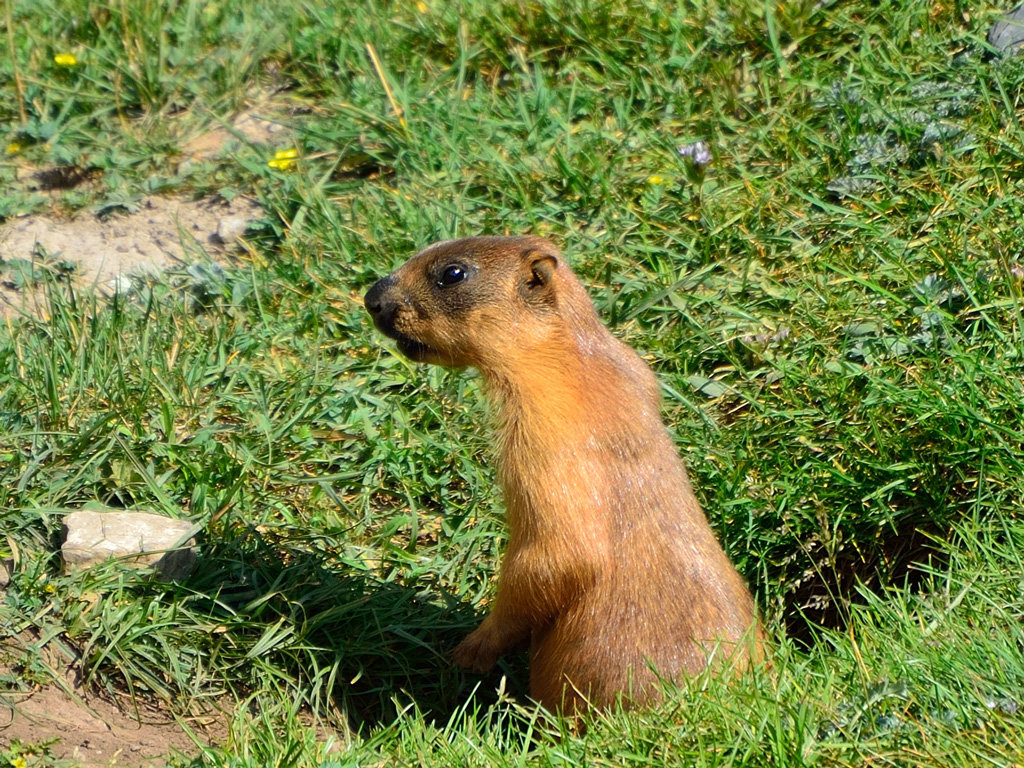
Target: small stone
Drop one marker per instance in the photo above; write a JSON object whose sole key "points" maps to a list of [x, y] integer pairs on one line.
{"points": [[231, 228], [121, 285], [1007, 34], [141, 538]]}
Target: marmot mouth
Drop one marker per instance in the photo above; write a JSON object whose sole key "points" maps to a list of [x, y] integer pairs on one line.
{"points": [[408, 346], [414, 350]]}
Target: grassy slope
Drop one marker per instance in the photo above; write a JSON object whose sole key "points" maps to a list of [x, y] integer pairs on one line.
{"points": [[833, 307]]}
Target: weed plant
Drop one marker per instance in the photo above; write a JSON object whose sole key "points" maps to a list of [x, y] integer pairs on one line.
{"points": [[806, 216]]}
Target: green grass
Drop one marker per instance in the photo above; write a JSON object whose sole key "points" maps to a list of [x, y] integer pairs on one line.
{"points": [[833, 308]]}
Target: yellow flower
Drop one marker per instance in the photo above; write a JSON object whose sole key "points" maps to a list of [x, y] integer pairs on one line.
{"points": [[421, 7], [283, 159], [655, 180], [18, 762], [13, 148], [65, 60]]}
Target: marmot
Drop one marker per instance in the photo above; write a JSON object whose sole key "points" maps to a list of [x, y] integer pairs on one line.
{"points": [[612, 574]]}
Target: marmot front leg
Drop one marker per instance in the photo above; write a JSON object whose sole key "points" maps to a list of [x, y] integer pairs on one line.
{"points": [[501, 631]]}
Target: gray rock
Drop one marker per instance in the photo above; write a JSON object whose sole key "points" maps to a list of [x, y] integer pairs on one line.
{"points": [[140, 538], [231, 228], [1007, 34]]}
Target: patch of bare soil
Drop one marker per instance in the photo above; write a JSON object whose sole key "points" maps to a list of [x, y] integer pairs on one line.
{"points": [[102, 252], [255, 125], [92, 732], [89, 731]]}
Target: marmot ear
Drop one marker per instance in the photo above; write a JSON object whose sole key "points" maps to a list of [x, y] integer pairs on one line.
{"points": [[542, 270]]}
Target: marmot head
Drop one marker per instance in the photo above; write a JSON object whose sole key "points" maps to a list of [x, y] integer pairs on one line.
{"points": [[474, 301]]}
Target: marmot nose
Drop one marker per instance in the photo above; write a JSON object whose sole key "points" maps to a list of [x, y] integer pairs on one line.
{"points": [[373, 298], [379, 304]]}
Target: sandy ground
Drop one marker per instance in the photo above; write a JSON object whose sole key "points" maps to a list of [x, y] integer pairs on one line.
{"points": [[163, 232], [157, 233], [90, 731]]}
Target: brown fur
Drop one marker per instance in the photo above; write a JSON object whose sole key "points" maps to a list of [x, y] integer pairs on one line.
{"points": [[611, 568]]}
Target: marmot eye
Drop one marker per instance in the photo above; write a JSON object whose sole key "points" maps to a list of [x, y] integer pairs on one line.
{"points": [[451, 275]]}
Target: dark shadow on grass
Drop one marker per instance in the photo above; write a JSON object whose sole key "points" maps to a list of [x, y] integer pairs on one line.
{"points": [[353, 643]]}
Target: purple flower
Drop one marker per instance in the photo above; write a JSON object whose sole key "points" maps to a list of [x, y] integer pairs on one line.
{"points": [[698, 153]]}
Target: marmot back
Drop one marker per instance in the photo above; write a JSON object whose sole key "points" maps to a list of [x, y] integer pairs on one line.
{"points": [[611, 567]]}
